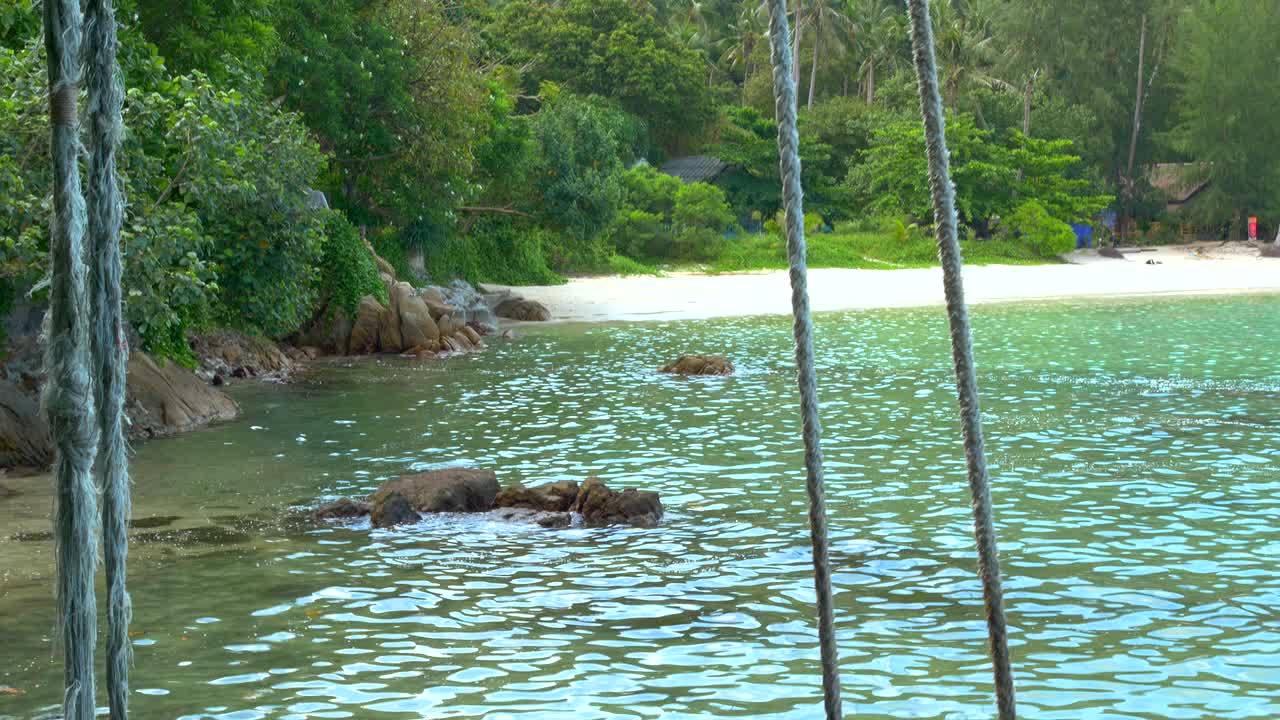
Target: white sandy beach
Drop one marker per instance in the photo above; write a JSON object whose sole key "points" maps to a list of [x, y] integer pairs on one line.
{"points": [[1205, 269]]}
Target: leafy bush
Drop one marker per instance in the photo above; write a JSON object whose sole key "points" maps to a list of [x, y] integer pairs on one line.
{"points": [[700, 218], [584, 144], [1045, 235], [500, 250], [347, 270], [244, 168], [990, 173], [641, 234]]}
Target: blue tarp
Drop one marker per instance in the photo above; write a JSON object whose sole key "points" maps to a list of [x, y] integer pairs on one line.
{"points": [[1084, 235]]}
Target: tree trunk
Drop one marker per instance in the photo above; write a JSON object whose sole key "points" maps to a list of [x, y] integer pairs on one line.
{"points": [[795, 46], [1137, 118], [871, 82], [813, 69], [1026, 105]]}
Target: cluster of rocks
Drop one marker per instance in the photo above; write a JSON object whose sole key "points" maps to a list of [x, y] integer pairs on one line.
{"points": [[405, 499], [421, 322], [700, 365]]}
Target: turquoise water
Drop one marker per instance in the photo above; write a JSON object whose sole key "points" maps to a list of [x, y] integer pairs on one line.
{"points": [[1133, 450]]}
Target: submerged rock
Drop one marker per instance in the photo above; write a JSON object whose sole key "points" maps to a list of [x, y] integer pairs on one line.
{"points": [[553, 497], [203, 535], [598, 505], [342, 509], [447, 490], [155, 521], [700, 365], [393, 509]]}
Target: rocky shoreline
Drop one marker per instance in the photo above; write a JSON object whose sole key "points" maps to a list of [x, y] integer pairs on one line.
{"points": [[166, 398]]}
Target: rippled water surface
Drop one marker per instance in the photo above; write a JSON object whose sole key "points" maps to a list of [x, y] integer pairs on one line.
{"points": [[1134, 455]]}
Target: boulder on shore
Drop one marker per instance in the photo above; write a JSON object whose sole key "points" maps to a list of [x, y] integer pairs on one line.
{"points": [[553, 497], [700, 365], [364, 331], [167, 399], [447, 490], [393, 509], [518, 308], [598, 505]]}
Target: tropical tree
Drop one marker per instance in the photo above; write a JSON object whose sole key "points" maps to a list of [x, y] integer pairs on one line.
{"points": [[880, 34], [964, 43], [742, 36], [828, 23], [1226, 117]]}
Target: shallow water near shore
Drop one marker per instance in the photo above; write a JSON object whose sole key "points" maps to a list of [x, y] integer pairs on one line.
{"points": [[1133, 453]]}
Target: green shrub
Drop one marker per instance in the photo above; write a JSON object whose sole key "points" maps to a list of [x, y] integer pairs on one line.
{"points": [[584, 143], [499, 250], [347, 270], [699, 219], [1044, 234], [625, 266], [641, 234]]}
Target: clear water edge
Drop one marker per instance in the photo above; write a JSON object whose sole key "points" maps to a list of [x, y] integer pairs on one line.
{"points": [[1132, 446]]}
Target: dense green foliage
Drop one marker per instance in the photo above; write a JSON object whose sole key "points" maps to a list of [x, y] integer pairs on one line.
{"points": [[663, 218], [615, 49], [347, 270], [513, 140], [992, 175]]}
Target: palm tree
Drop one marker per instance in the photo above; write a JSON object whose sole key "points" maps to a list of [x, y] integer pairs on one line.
{"points": [[880, 28], [741, 38], [691, 27], [828, 20], [964, 43]]}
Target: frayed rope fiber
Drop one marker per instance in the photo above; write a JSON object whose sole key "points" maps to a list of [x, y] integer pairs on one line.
{"points": [[86, 356], [109, 349], [944, 217], [784, 91]]}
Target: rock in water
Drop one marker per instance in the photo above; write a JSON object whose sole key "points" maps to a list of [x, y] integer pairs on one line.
{"points": [[364, 332], [393, 509], [518, 308], [599, 505], [537, 517], [447, 490], [342, 509], [700, 365], [554, 497]]}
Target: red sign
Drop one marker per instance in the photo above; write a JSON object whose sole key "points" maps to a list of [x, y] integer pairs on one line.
{"points": [[1253, 228]]}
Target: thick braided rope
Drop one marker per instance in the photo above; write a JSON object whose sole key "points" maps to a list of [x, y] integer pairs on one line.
{"points": [[784, 91], [68, 391], [944, 209], [106, 209]]}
